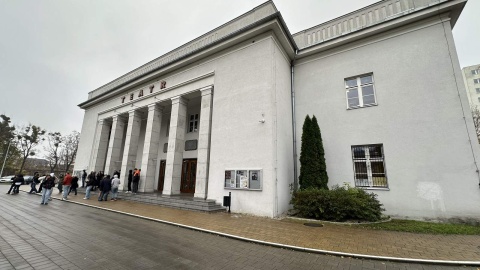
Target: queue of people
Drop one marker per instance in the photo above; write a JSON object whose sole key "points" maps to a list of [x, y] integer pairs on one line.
{"points": [[68, 183]]}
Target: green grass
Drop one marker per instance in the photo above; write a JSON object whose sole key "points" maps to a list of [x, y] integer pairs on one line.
{"points": [[425, 227]]}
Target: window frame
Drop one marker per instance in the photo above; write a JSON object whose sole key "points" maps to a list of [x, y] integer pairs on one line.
{"points": [[475, 71], [195, 122], [368, 164], [476, 81], [359, 87]]}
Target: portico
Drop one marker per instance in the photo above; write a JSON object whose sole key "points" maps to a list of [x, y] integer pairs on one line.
{"points": [[132, 138]]}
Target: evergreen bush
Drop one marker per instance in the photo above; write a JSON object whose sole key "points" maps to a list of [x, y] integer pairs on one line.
{"points": [[313, 169], [337, 204]]}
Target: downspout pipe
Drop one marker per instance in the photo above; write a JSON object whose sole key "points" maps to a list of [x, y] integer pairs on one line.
{"points": [[294, 124]]}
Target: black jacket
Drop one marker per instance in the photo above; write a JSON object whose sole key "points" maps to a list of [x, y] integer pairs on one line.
{"points": [[106, 184]]}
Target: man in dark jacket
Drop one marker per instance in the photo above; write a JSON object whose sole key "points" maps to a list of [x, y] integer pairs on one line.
{"points": [[17, 182], [105, 187], [47, 186], [34, 183]]}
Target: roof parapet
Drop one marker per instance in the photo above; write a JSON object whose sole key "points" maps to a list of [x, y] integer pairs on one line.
{"points": [[355, 21]]}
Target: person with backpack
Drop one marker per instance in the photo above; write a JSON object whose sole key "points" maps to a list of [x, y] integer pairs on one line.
{"points": [[47, 186], [34, 183], [74, 185], [105, 187]]}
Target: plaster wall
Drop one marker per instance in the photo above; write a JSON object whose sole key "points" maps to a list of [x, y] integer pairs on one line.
{"points": [[419, 119]]}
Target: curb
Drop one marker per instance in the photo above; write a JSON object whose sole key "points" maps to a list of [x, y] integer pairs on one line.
{"points": [[296, 248]]}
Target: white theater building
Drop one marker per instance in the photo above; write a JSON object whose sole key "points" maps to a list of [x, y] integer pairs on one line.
{"points": [[224, 112]]}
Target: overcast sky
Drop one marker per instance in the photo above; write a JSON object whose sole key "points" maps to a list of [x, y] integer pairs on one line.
{"points": [[53, 52]]}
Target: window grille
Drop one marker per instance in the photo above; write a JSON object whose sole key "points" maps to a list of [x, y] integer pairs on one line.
{"points": [[193, 123], [369, 166]]}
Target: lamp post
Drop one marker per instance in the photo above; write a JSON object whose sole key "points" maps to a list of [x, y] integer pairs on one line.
{"points": [[5, 159]]}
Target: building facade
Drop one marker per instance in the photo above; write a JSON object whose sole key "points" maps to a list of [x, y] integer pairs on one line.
{"points": [[471, 77], [224, 112]]}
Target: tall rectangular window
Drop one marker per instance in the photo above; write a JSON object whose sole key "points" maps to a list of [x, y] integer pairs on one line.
{"points": [[360, 91], [193, 123], [369, 166]]}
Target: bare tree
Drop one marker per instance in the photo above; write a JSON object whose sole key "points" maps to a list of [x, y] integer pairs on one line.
{"points": [[69, 149], [29, 137], [53, 148], [476, 120]]}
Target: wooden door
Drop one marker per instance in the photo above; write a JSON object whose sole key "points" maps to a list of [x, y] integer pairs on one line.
{"points": [[189, 176], [161, 175]]}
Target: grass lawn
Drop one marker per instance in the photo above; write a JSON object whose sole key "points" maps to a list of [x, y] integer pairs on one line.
{"points": [[424, 227]]}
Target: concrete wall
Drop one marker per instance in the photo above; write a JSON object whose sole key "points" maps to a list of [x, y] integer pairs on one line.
{"points": [[244, 89], [284, 131], [419, 119]]}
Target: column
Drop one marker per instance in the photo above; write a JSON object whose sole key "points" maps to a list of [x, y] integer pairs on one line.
{"points": [[150, 149], [203, 156], [176, 141], [114, 156], [131, 145], [100, 146]]}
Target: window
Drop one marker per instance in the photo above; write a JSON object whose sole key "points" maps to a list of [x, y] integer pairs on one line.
{"points": [[475, 71], [476, 81], [478, 90], [479, 99], [193, 123], [243, 179], [360, 92], [368, 166]]}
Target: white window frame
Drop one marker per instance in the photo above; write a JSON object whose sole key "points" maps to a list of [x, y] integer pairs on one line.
{"points": [[195, 122], [359, 86], [370, 183]]}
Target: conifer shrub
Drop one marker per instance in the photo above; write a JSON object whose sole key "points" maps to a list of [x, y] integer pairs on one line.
{"points": [[337, 204]]}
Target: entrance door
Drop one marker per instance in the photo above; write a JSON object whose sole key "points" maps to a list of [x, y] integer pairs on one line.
{"points": [[161, 175], [189, 175]]}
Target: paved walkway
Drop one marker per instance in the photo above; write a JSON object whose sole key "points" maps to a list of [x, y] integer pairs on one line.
{"points": [[331, 238]]}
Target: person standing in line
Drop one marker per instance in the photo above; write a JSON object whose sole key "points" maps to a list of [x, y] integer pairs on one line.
{"points": [[67, 182], [47, 186], [18, 182], [34, 183], [60, 184], [130, 178], [84, 177], [90, 181], [115, 184], [105, 187], [12, 185], [136, 180], [74, 185]]}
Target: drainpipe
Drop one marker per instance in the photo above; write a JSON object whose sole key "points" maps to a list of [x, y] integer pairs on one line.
{"points": [[294, 123]]}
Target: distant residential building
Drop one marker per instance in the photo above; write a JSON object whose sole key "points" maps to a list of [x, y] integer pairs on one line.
{"points": [[471, 75]]}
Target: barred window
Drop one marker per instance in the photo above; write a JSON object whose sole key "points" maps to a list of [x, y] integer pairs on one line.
{"points": [[360, 92], [369, 166]]}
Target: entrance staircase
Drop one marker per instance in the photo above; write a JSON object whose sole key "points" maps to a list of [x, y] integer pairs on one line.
{"points": [[176, 201], [183, 201]]}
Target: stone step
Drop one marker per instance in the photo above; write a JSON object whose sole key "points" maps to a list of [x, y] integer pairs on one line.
{"points": [[181, 202]]}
